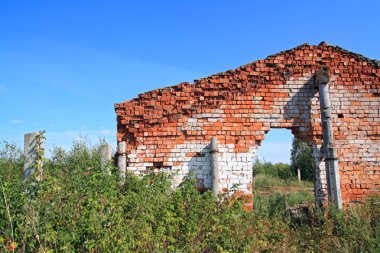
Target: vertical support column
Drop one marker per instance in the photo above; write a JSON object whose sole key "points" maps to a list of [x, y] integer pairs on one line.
{"points": [[105, 153], [299, 175], [214, 166], [122, 159], [31, 147], [320, 181], [329, 151]]}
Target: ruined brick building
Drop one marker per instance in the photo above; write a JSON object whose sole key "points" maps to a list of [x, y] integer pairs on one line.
{"points": [[169, 129]]}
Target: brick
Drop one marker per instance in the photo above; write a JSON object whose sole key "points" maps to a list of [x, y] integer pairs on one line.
{"points": [[174, 125]]}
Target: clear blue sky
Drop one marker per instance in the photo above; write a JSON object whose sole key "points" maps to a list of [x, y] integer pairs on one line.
{"points": [[63, 64]]}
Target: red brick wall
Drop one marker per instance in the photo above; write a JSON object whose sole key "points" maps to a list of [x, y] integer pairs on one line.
{"points": [[239, 106]]}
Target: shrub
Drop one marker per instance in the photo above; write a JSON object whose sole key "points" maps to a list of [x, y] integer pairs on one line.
{"points": [[80, 207]]}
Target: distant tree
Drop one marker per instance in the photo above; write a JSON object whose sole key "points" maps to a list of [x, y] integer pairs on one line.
{"points": [[301, 159], [277, 170]]}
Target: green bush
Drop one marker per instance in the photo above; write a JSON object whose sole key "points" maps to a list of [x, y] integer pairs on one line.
{"points": [[80, 207]]}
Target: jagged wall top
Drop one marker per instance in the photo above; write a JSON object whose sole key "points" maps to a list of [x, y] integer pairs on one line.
{"points": [[323, 46]]}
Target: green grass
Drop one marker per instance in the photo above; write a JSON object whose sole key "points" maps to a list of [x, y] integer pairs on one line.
{"points": [[263, 181], [268, 185]]}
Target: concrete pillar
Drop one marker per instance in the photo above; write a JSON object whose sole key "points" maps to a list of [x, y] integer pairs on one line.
{"points": [[105, 156], [31, 147], [105, 153], [329, 151], [122, 159], [320, 181], [214, 166], [299, 175]]}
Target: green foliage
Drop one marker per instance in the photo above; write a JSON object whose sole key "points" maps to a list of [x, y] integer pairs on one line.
{"points": [[271, 189], [78, 206], [301, 159], [357, 229], [278, 170]]}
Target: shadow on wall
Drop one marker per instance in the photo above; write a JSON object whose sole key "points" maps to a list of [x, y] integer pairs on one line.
{"points": [[298, 110]]}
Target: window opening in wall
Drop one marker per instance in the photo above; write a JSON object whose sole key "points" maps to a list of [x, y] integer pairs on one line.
{"points": [[280, 160]]}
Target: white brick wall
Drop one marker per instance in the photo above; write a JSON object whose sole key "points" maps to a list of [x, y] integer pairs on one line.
{"points": [[235, 168]]}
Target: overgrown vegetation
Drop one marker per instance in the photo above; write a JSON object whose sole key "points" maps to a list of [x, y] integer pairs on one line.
{"points": [[79, 207], [278, 170], [301, 159], [273, 180]]}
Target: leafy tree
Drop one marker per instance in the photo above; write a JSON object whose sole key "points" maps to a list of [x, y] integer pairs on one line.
{"points": [[301, 159]]}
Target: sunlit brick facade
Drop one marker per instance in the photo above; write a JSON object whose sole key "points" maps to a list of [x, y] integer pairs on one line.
{"points": [[169, 129]]}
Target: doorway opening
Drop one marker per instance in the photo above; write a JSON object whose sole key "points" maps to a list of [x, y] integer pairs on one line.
{"points": [[283, 171]]}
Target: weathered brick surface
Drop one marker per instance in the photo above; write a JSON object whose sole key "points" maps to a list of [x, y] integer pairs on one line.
{"points": [[170, 128]]}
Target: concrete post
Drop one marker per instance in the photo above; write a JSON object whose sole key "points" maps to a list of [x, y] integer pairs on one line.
{"points": [[329, 151], [31, 146], [105, 153], [320, 180], [214, 166], [122, 159], [299, 175]]}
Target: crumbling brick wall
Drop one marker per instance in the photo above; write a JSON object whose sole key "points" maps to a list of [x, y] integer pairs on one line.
{"points": [[169, 129]]}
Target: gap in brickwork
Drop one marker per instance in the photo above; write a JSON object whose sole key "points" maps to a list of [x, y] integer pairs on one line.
{"points": [[276, 146], [274, 178], [271, 168]]}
